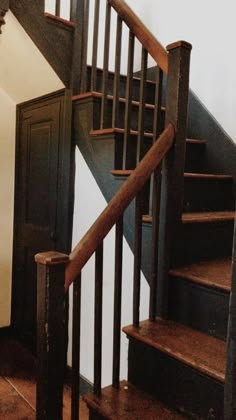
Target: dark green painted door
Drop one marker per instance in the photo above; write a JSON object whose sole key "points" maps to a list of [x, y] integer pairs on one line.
{"points": [[41, 198]]}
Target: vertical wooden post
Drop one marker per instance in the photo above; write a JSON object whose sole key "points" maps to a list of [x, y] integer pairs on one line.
{"points": [[51, 340], [173, 164], [77, 16], [230, 377]]}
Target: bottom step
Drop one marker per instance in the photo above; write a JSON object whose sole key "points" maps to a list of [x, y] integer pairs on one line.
{"points": [[127, 403]]}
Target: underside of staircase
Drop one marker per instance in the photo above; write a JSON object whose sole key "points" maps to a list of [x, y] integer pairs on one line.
{"points": [[176, 364]]}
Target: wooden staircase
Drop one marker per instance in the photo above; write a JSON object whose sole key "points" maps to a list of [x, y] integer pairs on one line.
{"points": [[177, 358], [179, 361]]}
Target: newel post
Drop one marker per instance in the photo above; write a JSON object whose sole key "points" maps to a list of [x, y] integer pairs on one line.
{"points": [[230, 376], [173, 165], [4, 7], [51, 338]]}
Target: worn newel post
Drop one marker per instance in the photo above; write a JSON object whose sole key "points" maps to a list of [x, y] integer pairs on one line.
{"points": [[230, 377], [173, 165], [51, 339]]}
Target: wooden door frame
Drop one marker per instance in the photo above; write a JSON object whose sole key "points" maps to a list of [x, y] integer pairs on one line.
{"points": [[65, 200]]}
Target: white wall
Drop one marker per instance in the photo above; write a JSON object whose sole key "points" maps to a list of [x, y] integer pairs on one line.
{"points": [[210, 27], [89, 202], [24, 74], [7, 154]]}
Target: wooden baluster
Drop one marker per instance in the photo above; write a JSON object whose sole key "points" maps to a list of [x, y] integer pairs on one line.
{"points": [[173, 165], [128, 107], [230, 375], [95, 46], [137, 257], [142, 103], [75, 389], [157, 128], [155, 196], [117, 303], [116, 89], [79, 13], [58, 8], [156, 192], [104, 104], [85, 48], [51, 340], [98, 320]]}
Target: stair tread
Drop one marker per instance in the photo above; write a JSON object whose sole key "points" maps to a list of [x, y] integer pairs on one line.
{"points": [[201, 217], [129, 402], [107, 131], [208, 217], [191, 347], [60, 20], [207, 176], [94, 94], [126, 172], [213, 273]]}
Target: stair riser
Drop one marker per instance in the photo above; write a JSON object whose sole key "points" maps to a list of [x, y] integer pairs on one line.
{"points": [[198, 241], [94, 105], [199, 307], [193, 157], [93, 415], [150, 87], [176, 384], [202, 194]]}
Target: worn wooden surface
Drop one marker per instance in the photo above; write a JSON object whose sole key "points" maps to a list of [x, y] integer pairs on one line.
{"points": [[18, 384], [212, 273], [200, 351], [129, 403]]}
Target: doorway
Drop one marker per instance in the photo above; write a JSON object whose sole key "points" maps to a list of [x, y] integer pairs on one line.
{"points": [[43, 180]]}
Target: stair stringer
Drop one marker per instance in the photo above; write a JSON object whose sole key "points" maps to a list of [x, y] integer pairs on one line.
{"points": [[55, 41]]}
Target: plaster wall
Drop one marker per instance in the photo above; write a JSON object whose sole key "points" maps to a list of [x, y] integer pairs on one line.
{"points": [[7, 158], [24, 74]]}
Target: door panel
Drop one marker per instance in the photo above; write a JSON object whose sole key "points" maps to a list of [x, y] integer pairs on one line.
{"points": [[41, 181]]}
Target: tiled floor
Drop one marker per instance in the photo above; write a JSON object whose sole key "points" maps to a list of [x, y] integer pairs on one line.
{"points": [[18, 387]]}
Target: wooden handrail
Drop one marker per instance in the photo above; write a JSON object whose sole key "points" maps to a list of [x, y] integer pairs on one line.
{"points": [[111, 214], [143, 34]]}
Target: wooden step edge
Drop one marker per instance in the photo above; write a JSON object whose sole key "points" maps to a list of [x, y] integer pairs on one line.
{"points": [[123, 76], [208, 176], [121, 172], [109, 131], [175, 272], [60, 20], [198, 350], [128, 402], [208, 217], [201, 217], [196, 141], [94, 94]]}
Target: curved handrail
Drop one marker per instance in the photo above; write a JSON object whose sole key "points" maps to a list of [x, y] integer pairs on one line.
{"points": [[111, 214], [147, 39]]}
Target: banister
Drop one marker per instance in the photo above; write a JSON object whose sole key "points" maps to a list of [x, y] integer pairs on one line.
{"points": [[111, 214], [147, 39]]}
